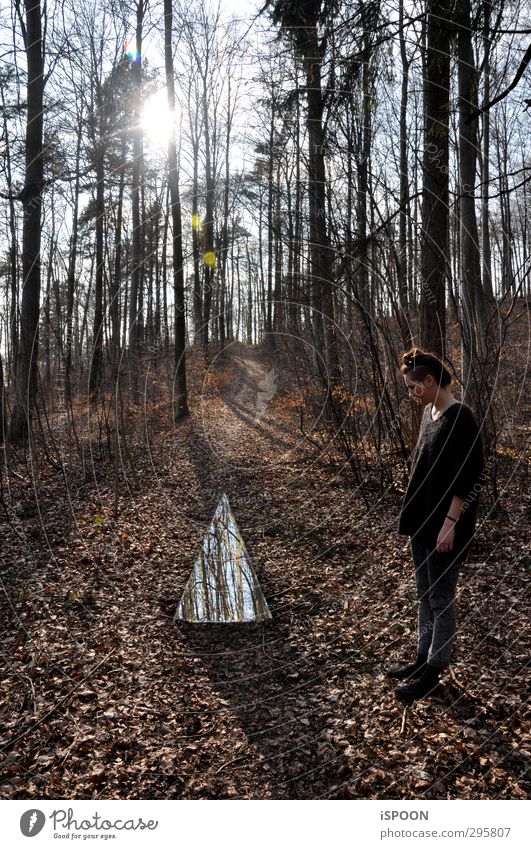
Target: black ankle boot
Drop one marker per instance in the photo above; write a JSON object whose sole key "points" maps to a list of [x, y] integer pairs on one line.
{"points": [[411, 670], [427, 683]]}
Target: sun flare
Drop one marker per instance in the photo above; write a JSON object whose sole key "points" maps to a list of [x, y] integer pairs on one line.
{"points": [[157, 120]]}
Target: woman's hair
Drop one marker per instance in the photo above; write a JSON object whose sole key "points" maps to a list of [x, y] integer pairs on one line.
{"points": [[420, 363]]}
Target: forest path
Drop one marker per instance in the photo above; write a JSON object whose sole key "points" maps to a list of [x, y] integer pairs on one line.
{"points": [[247, 386], [235, 438], [264, 680]]}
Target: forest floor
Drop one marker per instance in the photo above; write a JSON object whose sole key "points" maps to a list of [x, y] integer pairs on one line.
{"points": [[105, 696]]}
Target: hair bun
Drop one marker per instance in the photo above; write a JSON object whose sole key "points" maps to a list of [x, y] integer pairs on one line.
{"points": [[409, 359], [423, 363]]}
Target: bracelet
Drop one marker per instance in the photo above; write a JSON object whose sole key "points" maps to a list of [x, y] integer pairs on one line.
{"points": [[451, 518]]}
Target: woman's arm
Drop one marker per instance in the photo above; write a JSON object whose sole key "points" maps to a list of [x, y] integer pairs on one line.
{"points": [[454, 511], [445, 539]]}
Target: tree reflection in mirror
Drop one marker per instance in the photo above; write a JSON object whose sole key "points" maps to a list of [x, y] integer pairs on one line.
{"points": [[223, 586]]}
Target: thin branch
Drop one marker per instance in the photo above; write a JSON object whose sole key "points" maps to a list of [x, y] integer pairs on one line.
{"points": [[485, 108]]}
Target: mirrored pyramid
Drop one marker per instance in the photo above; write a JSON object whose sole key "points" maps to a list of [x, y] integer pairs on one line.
{"points": [[223, 586]]}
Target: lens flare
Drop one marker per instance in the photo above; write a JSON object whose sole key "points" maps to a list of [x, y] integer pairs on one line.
{"points": [[209, 259], [131, 51]]}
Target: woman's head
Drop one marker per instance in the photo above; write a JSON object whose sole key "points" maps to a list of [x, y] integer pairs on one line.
{"points": [[424, 374]]}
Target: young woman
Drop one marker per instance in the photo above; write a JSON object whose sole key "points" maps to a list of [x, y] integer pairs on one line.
{"points": [[438, 513]]}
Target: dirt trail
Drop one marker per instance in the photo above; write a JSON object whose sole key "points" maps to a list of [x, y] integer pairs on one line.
{"points": [[261, 682], [235, 439]]}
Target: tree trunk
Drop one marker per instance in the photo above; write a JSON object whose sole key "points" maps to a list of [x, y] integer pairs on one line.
{"points": [[2, 403], [209, 256], [180, 402], [479, 342], [405, 324], [270, 227], [164, 272], [321, 266], [468, 229], [13, 250], [225, 224], [434, 245], [47, 323], [116, 277], [135, 332], [31, 232], [96, 359], [198, 300], [485, 170], [363, 152], [277, 232], [297, 246]]}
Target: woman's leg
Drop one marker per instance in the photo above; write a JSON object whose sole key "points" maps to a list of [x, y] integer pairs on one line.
{"points": [[436, 576], [420, 552], [443, 572]]}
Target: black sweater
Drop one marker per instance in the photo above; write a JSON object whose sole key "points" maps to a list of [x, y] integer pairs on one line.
{"points": [[447, 461]]}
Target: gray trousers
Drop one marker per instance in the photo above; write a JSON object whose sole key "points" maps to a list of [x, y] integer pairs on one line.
{"points": [[436, 575]]}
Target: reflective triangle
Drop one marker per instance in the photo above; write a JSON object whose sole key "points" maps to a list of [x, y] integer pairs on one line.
{"points": [[223, 586]]}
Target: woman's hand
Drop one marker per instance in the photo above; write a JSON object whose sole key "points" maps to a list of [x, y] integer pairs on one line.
{"points": [[445, 540]]}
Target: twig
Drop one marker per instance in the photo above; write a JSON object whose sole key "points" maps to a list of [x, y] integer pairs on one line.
{"points": [[458, 683], [403, 725], [74, 741], [228, 763]]}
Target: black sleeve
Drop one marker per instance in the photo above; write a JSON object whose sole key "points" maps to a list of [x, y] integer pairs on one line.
{"points": [[467, 454]]}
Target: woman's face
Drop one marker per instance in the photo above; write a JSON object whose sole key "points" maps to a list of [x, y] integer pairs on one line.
{"points": [[419, 391]]}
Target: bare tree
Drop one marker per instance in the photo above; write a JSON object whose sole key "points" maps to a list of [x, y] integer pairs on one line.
{"points": [[434, 246], [180, 403], [31, 197], [135, 315]]}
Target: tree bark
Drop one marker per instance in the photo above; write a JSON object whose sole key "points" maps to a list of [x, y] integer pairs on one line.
{"points": [[31, 197], [180, 398], [405, 324], [13, 251], [2, 402], [435, 266], [270, 203], [485, 170], [209, 256], [321, 265], [116, 276], [135, 332], [197, 300], [477, 331], [96, 359]]}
